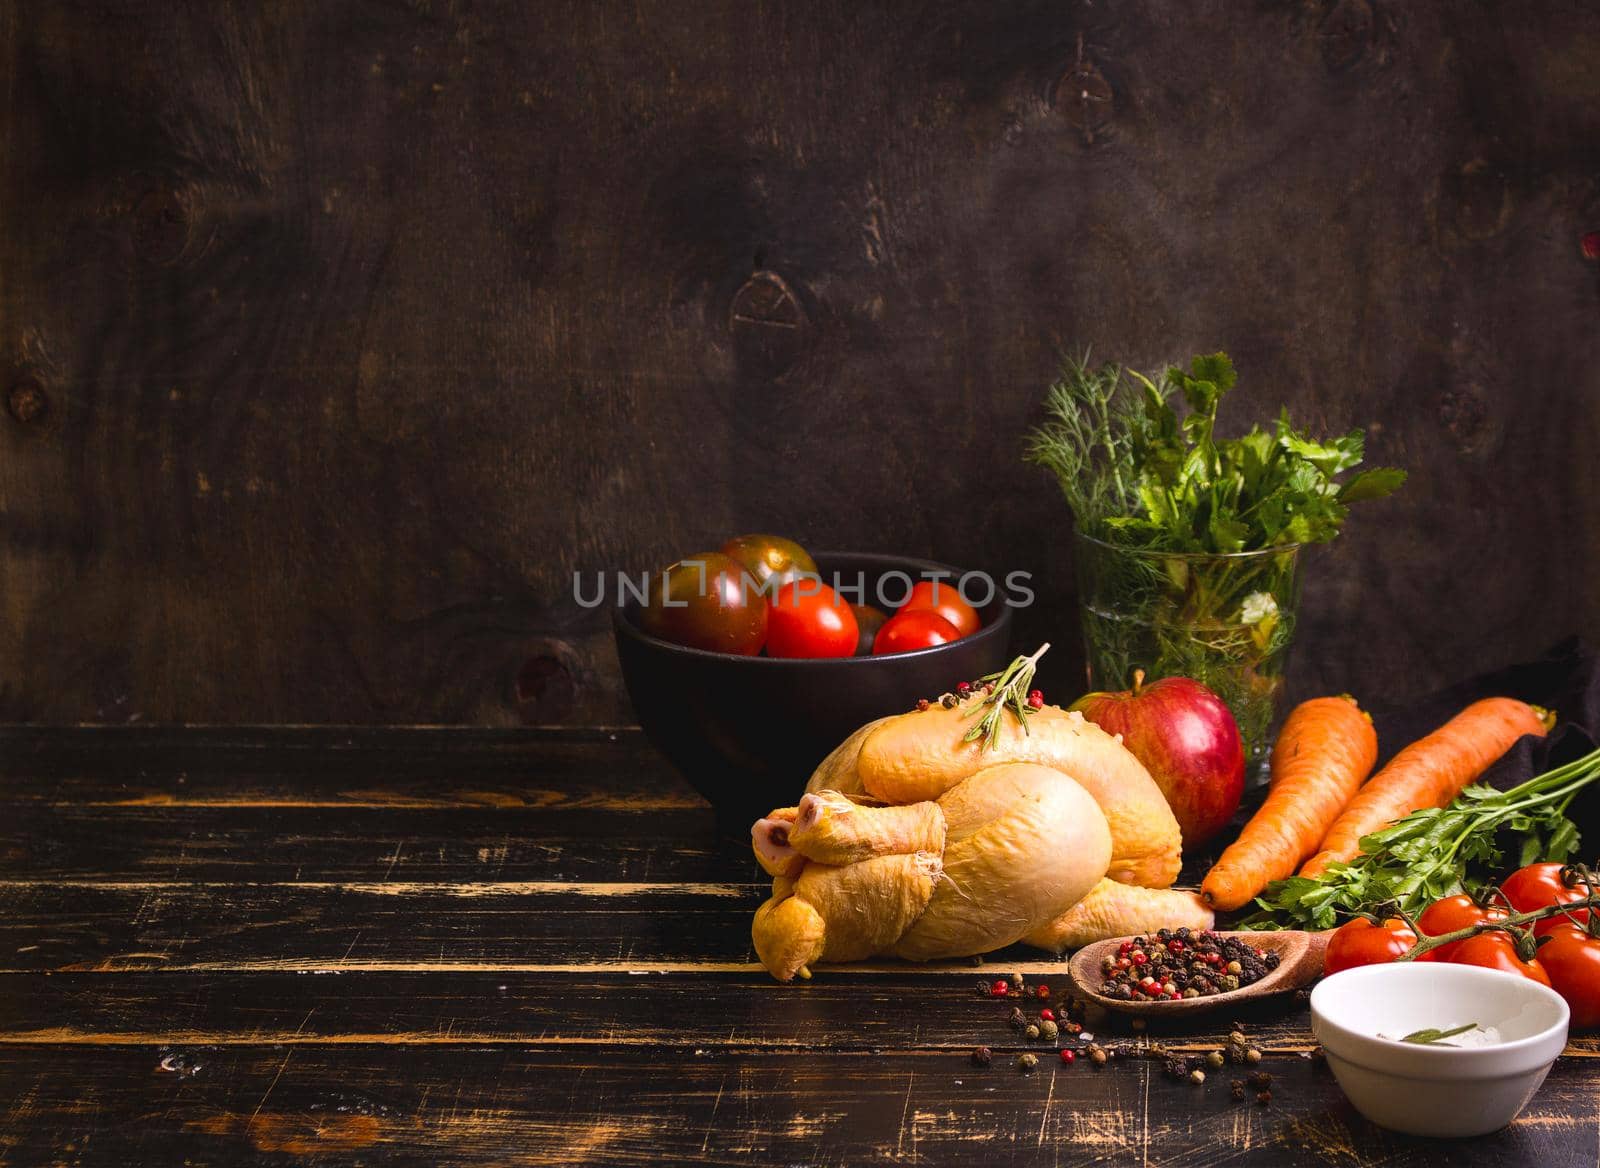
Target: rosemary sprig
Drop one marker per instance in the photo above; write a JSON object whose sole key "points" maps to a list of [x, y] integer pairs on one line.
{"points": [[1009, 691], [1429, 1036]]}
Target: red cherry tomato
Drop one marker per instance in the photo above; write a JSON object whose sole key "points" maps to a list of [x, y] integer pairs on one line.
{"points": [[1540, 885], [1452, 913], [1497, 950], [807, 619], [1360, 942], [917, 629], [1572, 959], [944, 598]]}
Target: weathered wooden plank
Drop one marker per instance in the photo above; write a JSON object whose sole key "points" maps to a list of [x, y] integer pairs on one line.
{"points": [[440, 843], [899, 1009], [340, 767], [98, 924], [630, 1105]]}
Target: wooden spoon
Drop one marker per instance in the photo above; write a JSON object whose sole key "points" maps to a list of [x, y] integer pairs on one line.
{"points": [[1299, 964]]}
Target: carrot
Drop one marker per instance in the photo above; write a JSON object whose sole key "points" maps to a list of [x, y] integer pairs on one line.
{"points": [[1430, 772], [1327, 747]]}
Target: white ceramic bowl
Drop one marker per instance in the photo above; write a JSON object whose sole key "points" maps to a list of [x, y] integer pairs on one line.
{"points": [[1429, 1090]]}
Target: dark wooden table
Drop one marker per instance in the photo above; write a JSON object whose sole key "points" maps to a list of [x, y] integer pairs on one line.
{"points": [[318, 946]]}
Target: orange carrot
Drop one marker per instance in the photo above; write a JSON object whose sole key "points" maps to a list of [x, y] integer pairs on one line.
{"points": [[1327, 747], [1430, 772]]}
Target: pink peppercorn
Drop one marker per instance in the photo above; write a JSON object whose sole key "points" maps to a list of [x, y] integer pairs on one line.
{"points": [[999, 989], [1047, 1015], [1068, 1057]]}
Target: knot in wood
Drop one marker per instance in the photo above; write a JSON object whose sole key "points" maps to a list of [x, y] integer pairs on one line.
{"points": [[160, 226], [1346, 34], [1085, 98], [768, 322], [27, 402]]}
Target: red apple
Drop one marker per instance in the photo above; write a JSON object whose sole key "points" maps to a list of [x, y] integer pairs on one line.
{"points": [[1188, 741]]}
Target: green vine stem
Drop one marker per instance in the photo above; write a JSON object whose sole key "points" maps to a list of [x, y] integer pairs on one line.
{"points": [[1514, 924]]}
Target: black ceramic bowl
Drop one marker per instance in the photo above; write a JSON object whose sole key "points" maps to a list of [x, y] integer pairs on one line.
{"points": [[748, 731]]}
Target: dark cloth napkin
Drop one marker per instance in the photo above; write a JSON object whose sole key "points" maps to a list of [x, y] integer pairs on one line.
{"points": [[1565, 679]]}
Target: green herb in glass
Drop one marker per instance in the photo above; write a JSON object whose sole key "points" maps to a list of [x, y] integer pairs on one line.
{"points": [[1188, 539]]}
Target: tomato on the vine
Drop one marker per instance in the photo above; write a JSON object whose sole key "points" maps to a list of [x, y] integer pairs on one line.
{"points": [[1360, 942], [1450, 914], [1572, 960], [807, 619], [917, 629], [1496, 950], [944, 598], [1538, 886]]}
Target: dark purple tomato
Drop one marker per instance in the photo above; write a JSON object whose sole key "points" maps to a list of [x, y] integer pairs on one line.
{"points": [[868, 621], [705, 601], [770, 557]]}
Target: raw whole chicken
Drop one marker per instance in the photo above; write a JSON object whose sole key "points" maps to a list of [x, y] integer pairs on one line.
{"points": [[912, 843]]}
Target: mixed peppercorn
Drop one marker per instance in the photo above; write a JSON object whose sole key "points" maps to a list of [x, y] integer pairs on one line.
{"points": [[965, 689], [1182, 964], [1037, 1022]]}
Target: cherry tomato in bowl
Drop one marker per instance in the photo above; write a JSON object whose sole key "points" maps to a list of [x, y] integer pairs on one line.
{"points": [[918, 629], [1497, 950], [868, 621], [1360, 942], [703, 601], [771, 560], [807, 619], [1538, 886], [1450, 914], [944, 598]]}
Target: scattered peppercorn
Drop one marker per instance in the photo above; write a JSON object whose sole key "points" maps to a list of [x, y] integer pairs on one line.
{"points": [[1097, 1056], [1174, 1068], [1036, 699], [1197, 1076], [1032, 1032], [1252, 1056], [1043, 991], [1047, 1015], [963, 688], [1263, 1097], [998, 989], [1260, 1080], [1237, 1090], [1068, 1057], [1048, 1030], [1016, 981], [1018, 1021], [922, 704], [948, 701], [982, 1057], [1170, 966], [1214, 1060], [1026, 1061]]}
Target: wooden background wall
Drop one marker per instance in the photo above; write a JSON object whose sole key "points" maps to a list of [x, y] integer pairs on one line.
{"points": [[335, 336]]}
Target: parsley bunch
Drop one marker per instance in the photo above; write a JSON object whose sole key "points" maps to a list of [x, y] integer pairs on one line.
{"points": [[1140, 473], [1437, 852]]}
